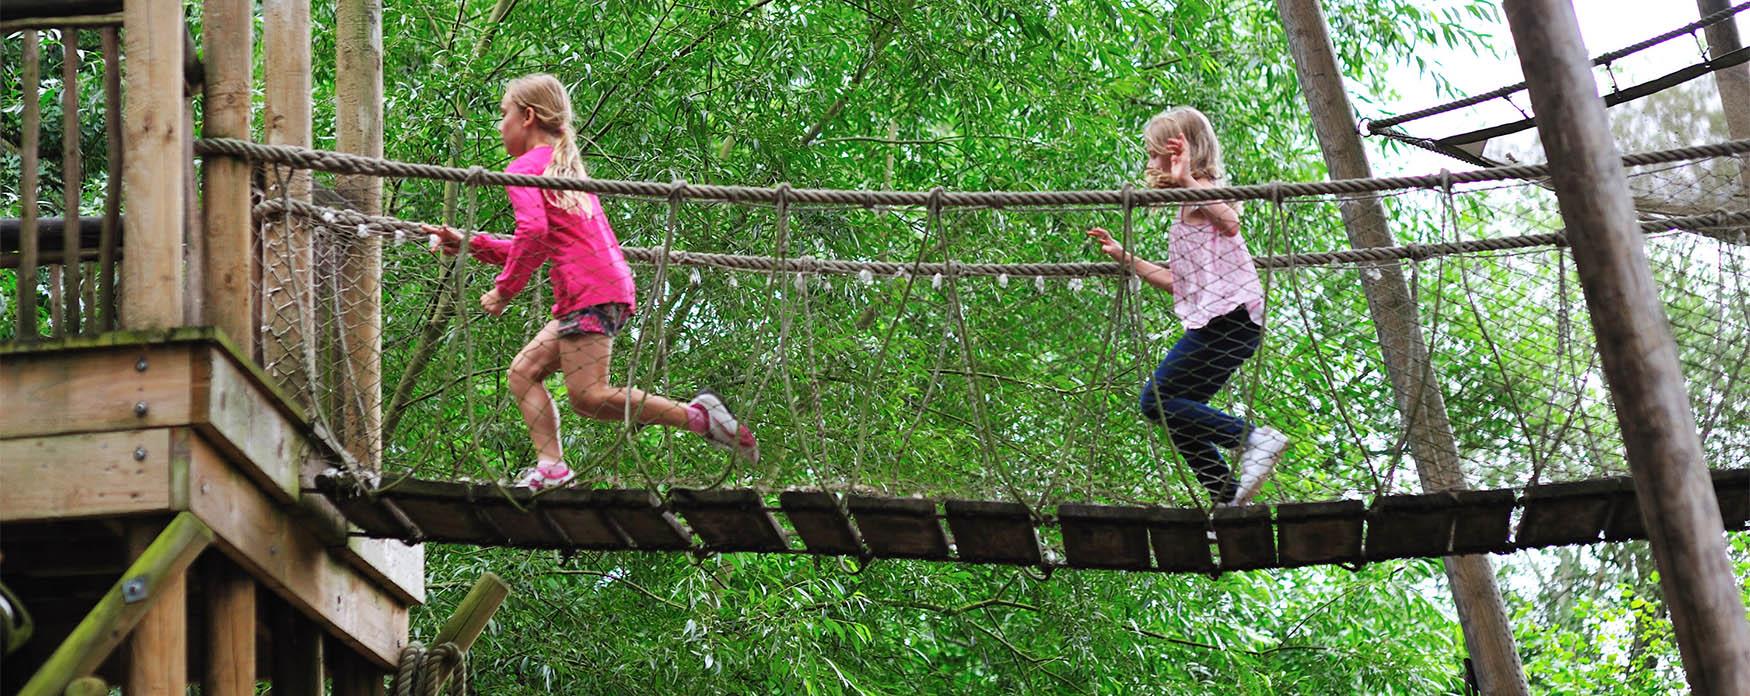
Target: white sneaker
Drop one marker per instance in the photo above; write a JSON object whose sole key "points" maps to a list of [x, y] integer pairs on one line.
{"points": [[1263, 448], [722, 430], [545, 475]]}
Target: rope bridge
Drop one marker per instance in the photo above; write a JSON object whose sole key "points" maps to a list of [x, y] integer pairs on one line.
{"points": [[881, 346]]}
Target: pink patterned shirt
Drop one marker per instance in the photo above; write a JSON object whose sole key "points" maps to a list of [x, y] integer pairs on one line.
{"points": [[588, 267], [1212, 275]]}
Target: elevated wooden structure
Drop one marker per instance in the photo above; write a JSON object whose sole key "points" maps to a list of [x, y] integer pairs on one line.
{"points": [[106, 439], [1094, 536]]}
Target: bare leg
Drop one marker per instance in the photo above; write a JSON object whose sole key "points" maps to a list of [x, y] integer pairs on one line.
{"points": [[585, 361], [528, 373]]}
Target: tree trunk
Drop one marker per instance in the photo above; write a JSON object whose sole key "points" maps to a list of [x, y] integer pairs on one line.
{"points": [[1639, 356], [1480, 611]]}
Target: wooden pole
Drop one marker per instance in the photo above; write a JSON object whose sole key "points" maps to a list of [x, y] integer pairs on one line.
{"points": [[1639, 356], [112, 197], [71, 175], [359, 130], [297, 654], [158, 648], [230, 623], [1733, 82], [287, 294], [353, 675], [1481, 613], [228, 269], [473, 612], [153, 135], [153, 578], [27, 329]]}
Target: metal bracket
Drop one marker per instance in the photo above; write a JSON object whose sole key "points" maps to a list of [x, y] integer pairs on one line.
{"points": [[134, 590]]}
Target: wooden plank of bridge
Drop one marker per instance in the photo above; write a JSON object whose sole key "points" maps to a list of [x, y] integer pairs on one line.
{"points": [[1313, 533], [1560, 514], [641, 515], [899, 527], [820, 522], [993, 532], [1245, 536], [1180, 538], [729, 520], [1481, 521], [1099, 536], [1409, 526]]}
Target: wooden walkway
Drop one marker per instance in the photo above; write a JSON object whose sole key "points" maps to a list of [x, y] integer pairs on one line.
{"points": [[1092, 536]]}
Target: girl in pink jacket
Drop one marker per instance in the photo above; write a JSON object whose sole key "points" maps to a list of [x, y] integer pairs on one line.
{"points": [[593, 291]]}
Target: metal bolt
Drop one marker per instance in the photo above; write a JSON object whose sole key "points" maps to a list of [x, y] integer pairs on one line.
{"points": [[140, 366], [140, 409], [134, 590], [139, 454]]}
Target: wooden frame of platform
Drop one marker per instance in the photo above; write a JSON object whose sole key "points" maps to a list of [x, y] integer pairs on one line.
{"points": [[125, 430]]}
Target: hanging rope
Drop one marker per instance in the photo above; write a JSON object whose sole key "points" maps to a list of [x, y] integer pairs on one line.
{"points": [[441, 669]]}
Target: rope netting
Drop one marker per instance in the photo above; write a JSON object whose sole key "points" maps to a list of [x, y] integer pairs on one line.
{"points": [[924, 349]]}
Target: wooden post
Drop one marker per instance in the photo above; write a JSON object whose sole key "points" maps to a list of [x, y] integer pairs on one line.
{"points": [[157, 649], [1639, 356], [71, 174], [228, 270], [153, 578], [1481, 613], [112, 197], [359, 130], [297, 654], [1733, 82], [153, 135], [287, 286], [27, 241], [230, 617], [353, 675]]}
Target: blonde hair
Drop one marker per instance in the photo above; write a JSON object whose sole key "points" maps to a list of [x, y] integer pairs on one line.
{"points": [[545, 96], [1200, 143]]}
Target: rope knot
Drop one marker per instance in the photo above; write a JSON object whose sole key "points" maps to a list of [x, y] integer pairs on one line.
{"points": [[1276, 193], [783, 191], [676, 191], [935, 204], [1446, 180], [476, 176], [1127, 197]]}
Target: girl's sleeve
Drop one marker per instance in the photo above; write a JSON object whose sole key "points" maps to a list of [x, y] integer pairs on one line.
{"points": [[489, 248], [531, 246]]}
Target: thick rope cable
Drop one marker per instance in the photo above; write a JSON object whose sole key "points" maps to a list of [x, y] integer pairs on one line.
{"points": [[342, 163], [399, 229], [422, 671], [1375, 126]]}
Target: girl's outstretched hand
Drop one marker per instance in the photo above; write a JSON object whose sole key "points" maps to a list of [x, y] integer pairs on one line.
{"points": [[1178, 171], [1110, 246], [442, 237], [492, 303]]}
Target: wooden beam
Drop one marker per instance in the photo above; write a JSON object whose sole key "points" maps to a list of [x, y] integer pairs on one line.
{"points": [[1646, 381], [153, 581], [109, 239], [287, 292], [153, 135], [289, 559], [1482, 615], [359, 130], [157, 649], [93, 391], [353, 675], [71, 175], [228, 269], [27, 329], [230, 634], [472, 613], [117, 473], [297, 654]]}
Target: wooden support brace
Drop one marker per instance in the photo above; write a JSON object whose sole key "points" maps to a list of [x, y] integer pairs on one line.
{"points": [[115, 615]]}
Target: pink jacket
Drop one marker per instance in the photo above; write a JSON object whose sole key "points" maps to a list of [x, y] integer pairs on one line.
{"points": [[588, 267]]}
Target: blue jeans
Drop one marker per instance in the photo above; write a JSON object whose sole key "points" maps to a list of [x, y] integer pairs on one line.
{"points": [[1178, 394]]}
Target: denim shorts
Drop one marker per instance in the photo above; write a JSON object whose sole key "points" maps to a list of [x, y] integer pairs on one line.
{"points": [[606, 319]]}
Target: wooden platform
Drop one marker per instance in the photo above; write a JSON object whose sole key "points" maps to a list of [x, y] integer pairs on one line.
{"points": [[104, 434], [1094, 536]]}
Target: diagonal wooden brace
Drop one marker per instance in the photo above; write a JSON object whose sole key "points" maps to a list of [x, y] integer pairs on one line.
{"points": [[168, 556]]}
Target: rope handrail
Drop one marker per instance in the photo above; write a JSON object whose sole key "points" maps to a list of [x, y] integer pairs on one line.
{"points": [[382, 226], [1374, 126], [343, 163]]}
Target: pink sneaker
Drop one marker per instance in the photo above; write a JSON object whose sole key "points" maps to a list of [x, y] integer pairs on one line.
{"points": [[721, 428], [545, 475]]}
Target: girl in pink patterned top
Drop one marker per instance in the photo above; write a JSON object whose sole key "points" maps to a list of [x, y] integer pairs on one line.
{"points": [[1217, 297], [593, 291]]}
